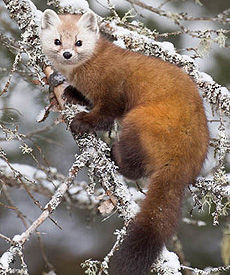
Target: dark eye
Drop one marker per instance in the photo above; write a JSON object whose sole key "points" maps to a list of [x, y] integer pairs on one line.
{"points": [[78, 43], [57, 42]]}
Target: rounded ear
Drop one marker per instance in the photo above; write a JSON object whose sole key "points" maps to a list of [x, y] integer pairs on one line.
{"points": [[49, 19], [88, 21]]}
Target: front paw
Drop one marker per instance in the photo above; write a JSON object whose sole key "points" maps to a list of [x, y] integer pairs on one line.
{"points": [[70, 95], [82, 123]]}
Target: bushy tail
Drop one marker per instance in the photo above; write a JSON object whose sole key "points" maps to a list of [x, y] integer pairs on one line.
{"points": [[152, 227]]}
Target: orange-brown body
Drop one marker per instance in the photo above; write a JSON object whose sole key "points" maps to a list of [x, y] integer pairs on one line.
{"points": [[164, 137], [164, 134]]}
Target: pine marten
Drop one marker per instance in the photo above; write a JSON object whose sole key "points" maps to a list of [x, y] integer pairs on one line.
{"points": [[164, 134]]}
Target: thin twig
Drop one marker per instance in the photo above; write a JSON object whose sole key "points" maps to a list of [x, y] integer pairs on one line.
{"points": [[5, 238]]}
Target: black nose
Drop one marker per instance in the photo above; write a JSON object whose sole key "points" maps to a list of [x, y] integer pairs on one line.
{"points": [[67, 55]]}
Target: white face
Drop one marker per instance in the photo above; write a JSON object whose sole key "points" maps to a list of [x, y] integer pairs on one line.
{"points": [[68, 40]]}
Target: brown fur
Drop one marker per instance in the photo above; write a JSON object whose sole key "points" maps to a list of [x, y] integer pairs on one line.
{"points": [[164, 137], [72, 95]]}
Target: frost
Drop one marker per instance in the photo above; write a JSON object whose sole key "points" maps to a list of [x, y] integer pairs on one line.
{"points": [[226, 189], [120, 43], [205, 77], [204, 46], [169, 47], [41, 115], [25, 149], [17, 238], [5, 260], [37, 13], [187, 59], [137, 195], [75, 4], [224, 91], [221, 39], [135, 23], [168, 263]]}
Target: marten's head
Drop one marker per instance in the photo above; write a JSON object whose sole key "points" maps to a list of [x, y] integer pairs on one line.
{"points": [[68, 39]]}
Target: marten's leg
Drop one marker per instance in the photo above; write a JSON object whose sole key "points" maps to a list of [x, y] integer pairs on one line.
{"points": [[128, 154], [72, 95]]}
